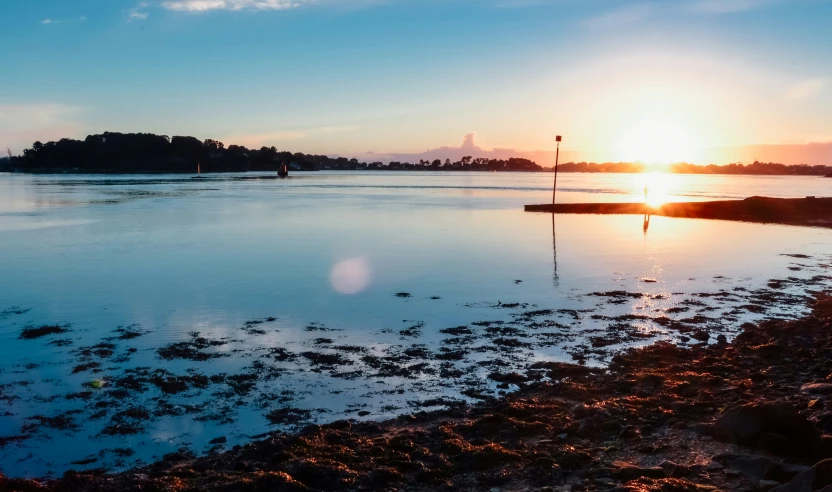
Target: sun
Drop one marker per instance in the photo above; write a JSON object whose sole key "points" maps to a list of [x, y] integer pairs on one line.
{"points": [[656, 142], [658, 186]]}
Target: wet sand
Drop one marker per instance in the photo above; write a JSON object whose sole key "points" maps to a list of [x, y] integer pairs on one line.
{"points": [[807, 211], [747, 415]]}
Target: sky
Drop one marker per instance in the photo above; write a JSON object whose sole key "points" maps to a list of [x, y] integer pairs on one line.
{"points": [[673, 80]]}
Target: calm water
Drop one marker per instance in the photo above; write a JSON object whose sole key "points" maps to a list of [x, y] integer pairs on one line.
{"points": [[324, 255]]}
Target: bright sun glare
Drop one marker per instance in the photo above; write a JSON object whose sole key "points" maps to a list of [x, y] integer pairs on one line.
{"points": [[657, 142], [660, 186]]}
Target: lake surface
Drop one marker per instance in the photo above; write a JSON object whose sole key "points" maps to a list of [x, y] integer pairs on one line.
{"points": [[230, 306]]}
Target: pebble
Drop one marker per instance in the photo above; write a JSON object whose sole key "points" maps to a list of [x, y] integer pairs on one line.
{"points": [[817, 388]]}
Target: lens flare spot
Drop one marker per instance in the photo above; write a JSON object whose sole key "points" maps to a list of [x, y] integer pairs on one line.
{"points": [[351, 276]]}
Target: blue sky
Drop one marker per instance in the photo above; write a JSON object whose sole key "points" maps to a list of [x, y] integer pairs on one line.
{"points": [[353, 77]]}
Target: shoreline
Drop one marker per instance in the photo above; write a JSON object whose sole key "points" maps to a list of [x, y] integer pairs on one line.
{"points": [[809, 211], [661, 417]]}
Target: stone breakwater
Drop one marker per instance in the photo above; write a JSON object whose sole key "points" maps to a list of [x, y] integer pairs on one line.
{"points": [[809, 211]]}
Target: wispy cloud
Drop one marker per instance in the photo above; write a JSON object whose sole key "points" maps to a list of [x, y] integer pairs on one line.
{"points": [[49, 21], [206, 5], [726, 6], [642, 11], [806, 89], [335, 129], [624, 15], [138, 13], [255, 140], [34, 114], [516, 4]]}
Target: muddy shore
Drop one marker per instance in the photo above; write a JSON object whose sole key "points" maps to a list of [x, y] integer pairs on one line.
{"points": [[809, 211], [749, 415]]}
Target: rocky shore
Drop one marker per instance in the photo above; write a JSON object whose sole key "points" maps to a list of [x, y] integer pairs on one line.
{"points": [[747, 415]]}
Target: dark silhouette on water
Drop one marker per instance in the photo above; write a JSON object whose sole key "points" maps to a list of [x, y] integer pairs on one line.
{"points": [[198, 172], [646, 224], [557, 156]]}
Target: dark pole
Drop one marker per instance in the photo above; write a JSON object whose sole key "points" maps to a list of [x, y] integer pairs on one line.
{"points": [[555, 186]]}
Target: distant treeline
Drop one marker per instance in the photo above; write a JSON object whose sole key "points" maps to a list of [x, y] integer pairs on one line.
{"points": [[148, 153]]}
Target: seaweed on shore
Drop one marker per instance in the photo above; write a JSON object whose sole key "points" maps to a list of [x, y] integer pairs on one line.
{"points": [[13, 311], [31, 332], [193, 349], [285, 416]]}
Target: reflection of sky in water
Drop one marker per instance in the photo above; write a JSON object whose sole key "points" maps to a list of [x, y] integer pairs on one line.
{"points": [[178, 256]]}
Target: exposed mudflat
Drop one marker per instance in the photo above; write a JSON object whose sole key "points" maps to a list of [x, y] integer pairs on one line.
{"points": [[746, 415]]}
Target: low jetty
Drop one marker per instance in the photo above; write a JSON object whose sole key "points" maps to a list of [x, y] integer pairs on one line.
{"points": [[809, 211]]}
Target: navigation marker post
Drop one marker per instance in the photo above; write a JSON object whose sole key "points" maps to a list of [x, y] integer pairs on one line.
{"points": [[555, 186]]}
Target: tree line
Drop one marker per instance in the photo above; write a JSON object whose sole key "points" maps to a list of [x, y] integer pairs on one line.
{"points": [[112, 152]]}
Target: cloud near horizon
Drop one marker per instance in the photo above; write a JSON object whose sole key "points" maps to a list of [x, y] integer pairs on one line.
{"points": [[806, 89], [469, 147], [23, 124], [812, 153]]}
